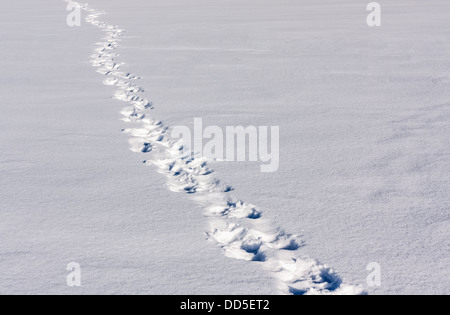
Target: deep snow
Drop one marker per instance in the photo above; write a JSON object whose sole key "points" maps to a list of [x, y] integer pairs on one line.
{"points": [[364, 144]]}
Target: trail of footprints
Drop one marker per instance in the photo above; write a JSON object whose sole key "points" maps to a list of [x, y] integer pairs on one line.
{"points": [[237, 227]]}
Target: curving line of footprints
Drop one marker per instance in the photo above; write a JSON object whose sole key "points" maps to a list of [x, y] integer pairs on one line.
{"points": [[237, 227]]}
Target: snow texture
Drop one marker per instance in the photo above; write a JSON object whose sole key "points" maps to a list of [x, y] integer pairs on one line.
{"points": [[364, 147]]}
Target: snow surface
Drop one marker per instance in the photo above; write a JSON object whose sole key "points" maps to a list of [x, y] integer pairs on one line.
{"points": [[364, 146]]}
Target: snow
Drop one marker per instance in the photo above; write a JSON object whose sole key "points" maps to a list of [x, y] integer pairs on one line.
{"points": [[364, 148], [73, 192]]}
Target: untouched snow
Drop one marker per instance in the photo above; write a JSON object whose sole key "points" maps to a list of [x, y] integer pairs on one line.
{"points": [[363, 114]]}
